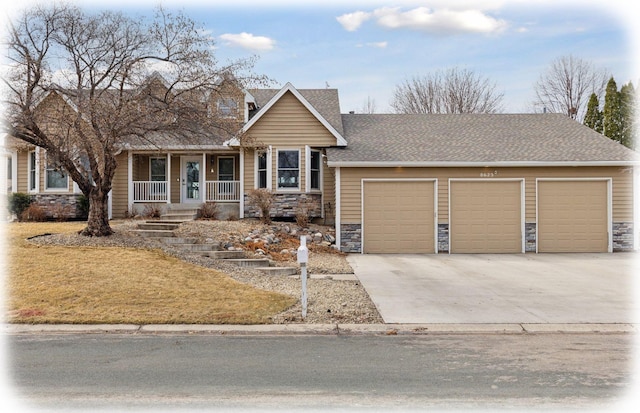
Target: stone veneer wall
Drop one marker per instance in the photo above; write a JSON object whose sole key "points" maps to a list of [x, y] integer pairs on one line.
{"points": [[443, 237], [287, 205], [530, 237], [351, 238], [60, 206], [622, 236]]}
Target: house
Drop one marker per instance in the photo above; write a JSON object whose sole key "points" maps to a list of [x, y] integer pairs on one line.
{"points": [[466, 183]]}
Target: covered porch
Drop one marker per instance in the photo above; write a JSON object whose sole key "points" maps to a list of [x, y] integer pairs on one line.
{"points": [[183, 178]]}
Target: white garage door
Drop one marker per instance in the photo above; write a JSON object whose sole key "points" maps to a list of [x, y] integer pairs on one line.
{"points": [[573, 216], [398, 217], [485, 217]]}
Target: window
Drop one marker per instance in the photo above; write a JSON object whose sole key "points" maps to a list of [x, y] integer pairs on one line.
{"points": [[288, 169], [57, 177], [158, 172], [262, 170], [227, 107], [226, 167], [314, 169], [33, 172]]}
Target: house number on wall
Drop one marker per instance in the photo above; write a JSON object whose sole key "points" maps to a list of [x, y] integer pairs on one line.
{"points": [[488, 174]]}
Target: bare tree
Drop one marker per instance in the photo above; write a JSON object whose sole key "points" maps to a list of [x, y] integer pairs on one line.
{"points": [[106, 95], [451, 91], [567, 85], [369, 106]]}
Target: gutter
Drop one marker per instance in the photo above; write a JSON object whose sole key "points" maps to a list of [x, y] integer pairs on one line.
{"points": [[458, 164]]}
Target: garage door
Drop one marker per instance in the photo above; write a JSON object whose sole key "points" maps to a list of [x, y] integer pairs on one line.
{"points": [[398, 217], [485, 217], [572, 216]]}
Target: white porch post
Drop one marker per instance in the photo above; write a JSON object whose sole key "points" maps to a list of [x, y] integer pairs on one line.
{"points": [[241, 212], [169, 177], [130, 181], [337, 210], [203, 182]]}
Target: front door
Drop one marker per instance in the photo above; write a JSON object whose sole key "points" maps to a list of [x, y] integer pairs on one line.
{"points": [[191, 179]]}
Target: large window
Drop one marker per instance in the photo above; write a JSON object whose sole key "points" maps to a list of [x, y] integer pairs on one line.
{"points": [[227, 107], [289, 169], [314, 169], [262, 170], [158, 172], [57, 177]]}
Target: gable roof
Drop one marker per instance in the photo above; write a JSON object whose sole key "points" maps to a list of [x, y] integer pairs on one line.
{"points": [[474, 140], [322, 103]]}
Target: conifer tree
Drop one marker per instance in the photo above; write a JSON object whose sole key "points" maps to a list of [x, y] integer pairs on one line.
{"points": [[627, 109], [612, 114], [593, 117]]}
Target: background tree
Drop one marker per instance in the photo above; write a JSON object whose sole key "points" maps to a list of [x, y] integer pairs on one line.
{"points": [[612, 112], [369, 106], [102, 63], [567, 84], [452, 91], [593, 116], [628, 100]]}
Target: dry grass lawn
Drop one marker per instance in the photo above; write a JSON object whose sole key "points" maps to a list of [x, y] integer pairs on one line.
{"points": [[54, 284]]}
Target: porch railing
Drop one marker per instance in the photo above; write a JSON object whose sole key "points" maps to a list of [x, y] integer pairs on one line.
{"points": [[156, 191], [223, 191], [150, 191]]}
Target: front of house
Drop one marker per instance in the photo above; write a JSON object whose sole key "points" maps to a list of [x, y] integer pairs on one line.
{"points": [[389, 183]]}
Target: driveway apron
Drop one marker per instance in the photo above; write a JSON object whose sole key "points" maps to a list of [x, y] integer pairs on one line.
{"points": [[509, 288]]}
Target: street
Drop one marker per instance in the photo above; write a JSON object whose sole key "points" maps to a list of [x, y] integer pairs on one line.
{"points": [[118, 371]]}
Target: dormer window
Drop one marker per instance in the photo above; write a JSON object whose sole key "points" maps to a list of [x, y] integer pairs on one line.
{"points": [[227, 107]]}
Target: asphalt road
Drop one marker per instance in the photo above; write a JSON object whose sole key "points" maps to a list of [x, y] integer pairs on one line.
{"points": [[117, 372]]}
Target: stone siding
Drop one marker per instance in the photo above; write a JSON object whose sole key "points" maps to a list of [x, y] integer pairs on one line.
{"points": [[60, 206], [288, 206], [351, 238], [530, 237], [622, 236], [443, 237]]}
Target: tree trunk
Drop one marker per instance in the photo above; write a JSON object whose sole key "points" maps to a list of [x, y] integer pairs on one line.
{"points": [[98, 221]]}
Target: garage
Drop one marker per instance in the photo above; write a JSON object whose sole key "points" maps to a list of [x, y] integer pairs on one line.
{"points": [[398, 216], [573, 215], [485, 216]]}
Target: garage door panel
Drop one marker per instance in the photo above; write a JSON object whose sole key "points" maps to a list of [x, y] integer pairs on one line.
{"points": [[573, 216], [486, 217], [398, 217]]}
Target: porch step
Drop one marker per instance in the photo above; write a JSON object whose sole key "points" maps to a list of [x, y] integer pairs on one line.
{"points": [[226, 255], [166, 226], [275, 271], [154, 233], [179, 216], [249, 262]]}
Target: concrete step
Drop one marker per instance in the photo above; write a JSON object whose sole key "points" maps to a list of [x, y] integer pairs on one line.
{"points": [[226, 255], [151, 233], [249, 262], [158, 226], [180, 240], [198, 247], [278, 270], [178, 216]]}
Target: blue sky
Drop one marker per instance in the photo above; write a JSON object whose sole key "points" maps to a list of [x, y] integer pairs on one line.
{"points": [[366, 48]]}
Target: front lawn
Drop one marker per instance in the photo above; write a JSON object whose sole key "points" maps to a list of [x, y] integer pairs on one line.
{"points": [[56, 284]]}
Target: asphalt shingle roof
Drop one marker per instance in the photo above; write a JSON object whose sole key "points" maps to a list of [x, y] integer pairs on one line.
{"points": [[461, 138]]}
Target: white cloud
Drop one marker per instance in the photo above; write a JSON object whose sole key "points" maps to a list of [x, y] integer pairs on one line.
{"points": [[380, 45], [248, 41], [445, 20], [439, 21], [352, 21]]}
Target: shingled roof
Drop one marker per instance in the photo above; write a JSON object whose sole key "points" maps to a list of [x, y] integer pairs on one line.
{"points": [[450, 139]]}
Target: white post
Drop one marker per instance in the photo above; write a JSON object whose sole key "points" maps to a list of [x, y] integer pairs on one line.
{"points": [[303, 258]]}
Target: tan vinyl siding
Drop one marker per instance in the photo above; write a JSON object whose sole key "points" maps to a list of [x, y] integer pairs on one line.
{"points": [[302, 128], [350, 192], [23, 171], [120, 187], [176, 179], [249, 172], [329, 190]]}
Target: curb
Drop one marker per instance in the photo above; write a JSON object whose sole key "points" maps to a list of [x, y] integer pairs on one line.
{"points": [[319, 329]]}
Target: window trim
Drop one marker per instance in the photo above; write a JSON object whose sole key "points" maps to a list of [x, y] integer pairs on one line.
{"points": [[46, 180], [33, 173], [269, 180], [308, 180], [288, 189]]}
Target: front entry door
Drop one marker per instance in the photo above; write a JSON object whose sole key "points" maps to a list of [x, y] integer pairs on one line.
{"points": [[191, 179]]}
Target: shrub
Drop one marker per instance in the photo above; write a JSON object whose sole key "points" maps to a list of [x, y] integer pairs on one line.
{"points": [[34, 213], [262, 199], [60, 212], [302, 213], [19, 202], [209, 210], [151, 211], [83, 206]]}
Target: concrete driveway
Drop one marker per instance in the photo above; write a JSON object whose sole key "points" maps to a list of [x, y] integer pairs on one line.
{"points": [[518, 288]]}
